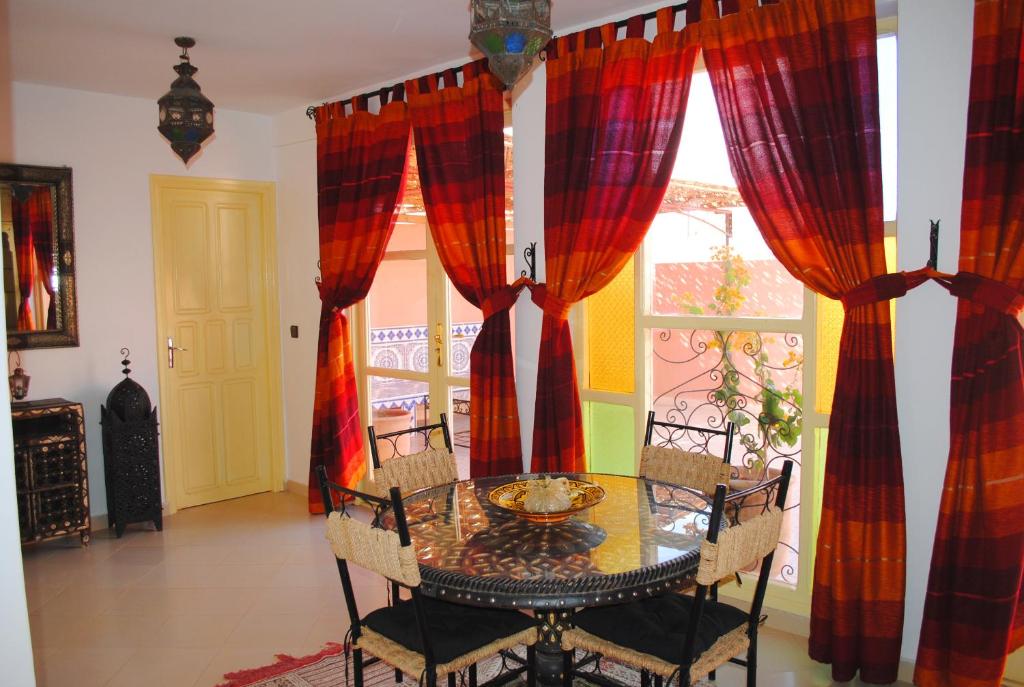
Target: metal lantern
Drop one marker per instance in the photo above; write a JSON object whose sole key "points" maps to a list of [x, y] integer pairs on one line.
{"points": [[186, 115], [510, 33], [131, 463], [18, 381]]}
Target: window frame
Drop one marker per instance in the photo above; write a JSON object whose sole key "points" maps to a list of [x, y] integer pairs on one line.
{"points": [[796, 598]]}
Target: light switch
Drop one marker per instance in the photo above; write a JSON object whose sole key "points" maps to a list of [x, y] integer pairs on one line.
{"points": [[295, 331]]}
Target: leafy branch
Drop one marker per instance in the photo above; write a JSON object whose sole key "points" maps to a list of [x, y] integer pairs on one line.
{"points": [[780, 421]]}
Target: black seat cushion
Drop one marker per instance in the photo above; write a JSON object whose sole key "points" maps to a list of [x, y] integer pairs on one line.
{"points": [[658, 625], [454, 629]]}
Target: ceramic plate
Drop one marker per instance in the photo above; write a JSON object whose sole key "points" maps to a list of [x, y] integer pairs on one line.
{"points": [[512, 497]]}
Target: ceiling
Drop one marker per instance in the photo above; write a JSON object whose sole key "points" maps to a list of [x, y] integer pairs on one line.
{"points": [[261, 56], [253, 55]]}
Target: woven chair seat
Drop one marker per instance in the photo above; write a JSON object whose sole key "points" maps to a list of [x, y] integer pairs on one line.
{"points": [[650, 633], [461, 635]]}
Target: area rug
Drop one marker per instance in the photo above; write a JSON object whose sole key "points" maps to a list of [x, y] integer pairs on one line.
{"points": [[327, 669]]}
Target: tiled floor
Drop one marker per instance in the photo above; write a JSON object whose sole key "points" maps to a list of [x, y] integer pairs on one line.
{"points": [[223, 587]]}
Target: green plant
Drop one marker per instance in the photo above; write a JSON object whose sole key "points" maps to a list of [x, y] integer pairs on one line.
{"points": [[780, 420]]}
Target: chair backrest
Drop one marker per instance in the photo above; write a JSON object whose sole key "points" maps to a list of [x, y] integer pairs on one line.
{"points": [[387, 552], [689, 438], [418, 439], [724, 552], [429, 468], [700, 471]]}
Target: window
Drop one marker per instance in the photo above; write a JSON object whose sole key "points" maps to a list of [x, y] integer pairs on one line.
{"points": [[416, 332], [704, 326]]}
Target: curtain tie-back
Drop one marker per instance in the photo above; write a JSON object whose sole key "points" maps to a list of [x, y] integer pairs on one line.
{"points": [[967, 285], [551, 304], [879, 288], [885, 287], [988, 292], [504, 298]]}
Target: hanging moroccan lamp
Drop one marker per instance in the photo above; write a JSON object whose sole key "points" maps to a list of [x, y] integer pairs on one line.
{"points": [[510, 33], [186, 115]]}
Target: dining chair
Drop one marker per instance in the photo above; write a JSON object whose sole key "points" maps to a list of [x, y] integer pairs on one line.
{"points": [[430, 466], [419, 636], [668, 462], [673, 636]]}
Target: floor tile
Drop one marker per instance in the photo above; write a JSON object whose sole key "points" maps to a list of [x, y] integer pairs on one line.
{"points": [[271, 630], [163, 668], [79, 667], [193, 632]]}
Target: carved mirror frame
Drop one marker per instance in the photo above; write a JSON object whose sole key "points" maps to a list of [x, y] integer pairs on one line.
{"points": [[60, 179]]}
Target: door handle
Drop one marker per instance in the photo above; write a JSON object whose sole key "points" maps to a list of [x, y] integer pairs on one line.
{"points": [[171, 348], [439, 340]]}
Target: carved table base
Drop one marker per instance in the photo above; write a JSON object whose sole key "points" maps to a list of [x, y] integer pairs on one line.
{"points": [[549, 646]]}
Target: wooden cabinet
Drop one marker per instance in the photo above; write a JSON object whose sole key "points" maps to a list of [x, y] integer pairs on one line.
{"points": [[50, 469]]}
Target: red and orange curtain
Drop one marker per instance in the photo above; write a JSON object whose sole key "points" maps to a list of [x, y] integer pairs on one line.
{"points": [[796, 84], [32, 220], [974, 608], [614, 117], [361, 165], [42, 244], [460, 151]]}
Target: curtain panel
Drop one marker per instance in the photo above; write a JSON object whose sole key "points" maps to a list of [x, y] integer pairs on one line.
{"points": [[361, 165], [460, 150], [974, 608], [25, 208], [796, 84], [614, 118], [41, 212]]}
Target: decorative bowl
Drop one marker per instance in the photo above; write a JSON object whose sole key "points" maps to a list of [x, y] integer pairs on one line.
{"points": [[511, 497]]}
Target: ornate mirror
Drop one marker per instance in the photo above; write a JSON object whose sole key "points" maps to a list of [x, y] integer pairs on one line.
{"points": [[39, 256]]}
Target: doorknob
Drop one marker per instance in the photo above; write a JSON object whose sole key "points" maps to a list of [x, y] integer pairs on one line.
{"points": [[439, 340], [171, 348]]}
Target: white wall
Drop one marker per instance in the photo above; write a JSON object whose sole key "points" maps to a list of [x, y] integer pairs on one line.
{"points": [[528, 115], [15, 640], [112, 146], [294, 137], [934, 44]]}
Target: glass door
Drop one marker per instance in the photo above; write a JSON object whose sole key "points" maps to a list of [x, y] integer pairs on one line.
{"points": [[415, 332], [405, 346]]}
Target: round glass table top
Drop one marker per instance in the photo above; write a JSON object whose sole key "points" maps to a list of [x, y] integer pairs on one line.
{"points": [[642, 539]]}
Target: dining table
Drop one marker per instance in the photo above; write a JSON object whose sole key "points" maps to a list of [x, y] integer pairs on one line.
{"points": [[642, 539]]}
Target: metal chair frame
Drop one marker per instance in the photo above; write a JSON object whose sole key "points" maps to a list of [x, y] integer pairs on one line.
{"points": [[728, 432], [780, 485], [424, 430], [381, 506]]}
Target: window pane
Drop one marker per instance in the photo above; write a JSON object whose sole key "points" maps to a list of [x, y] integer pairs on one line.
{"points": [[609, 432], [398, 316], [707, 378], [397, 404], [611, 321], [705, 255], [458, 426]]}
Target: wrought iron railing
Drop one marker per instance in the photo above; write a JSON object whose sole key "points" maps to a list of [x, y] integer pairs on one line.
{"points": [[753, 379]]}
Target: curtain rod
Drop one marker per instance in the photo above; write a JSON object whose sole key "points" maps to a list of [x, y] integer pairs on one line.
{"points": [[647, 16]]}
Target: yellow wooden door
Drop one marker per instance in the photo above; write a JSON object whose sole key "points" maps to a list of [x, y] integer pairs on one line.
{"points": [[1014, 669], [217, 324]]}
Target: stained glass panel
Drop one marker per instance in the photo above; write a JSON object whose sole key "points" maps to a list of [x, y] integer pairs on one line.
{"points": [[611, 327]]}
